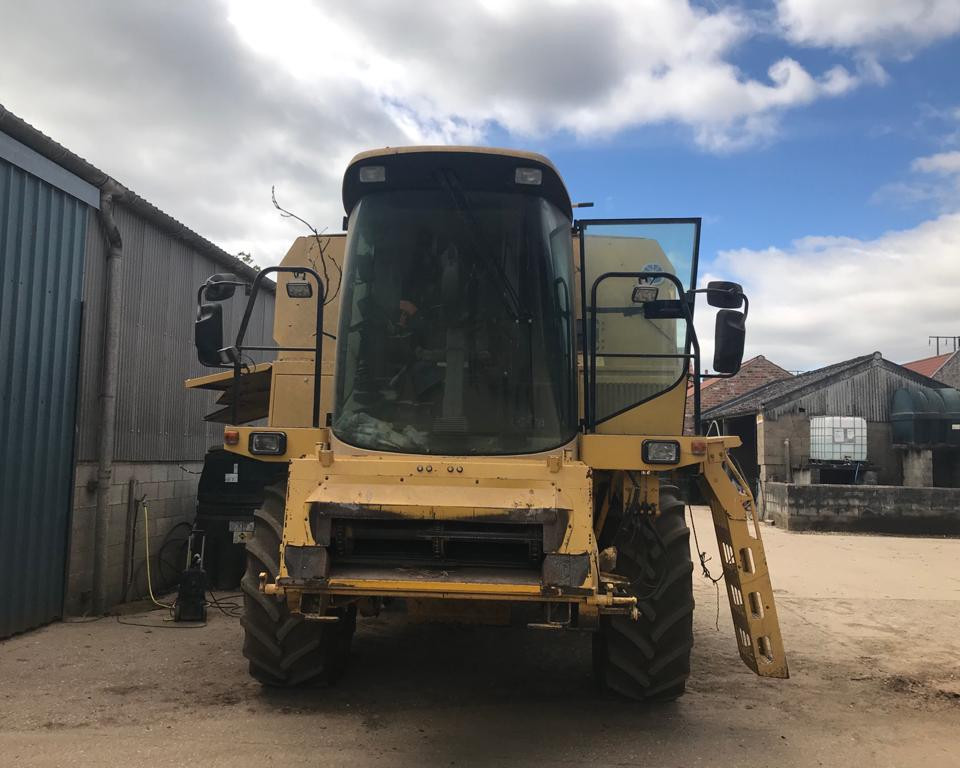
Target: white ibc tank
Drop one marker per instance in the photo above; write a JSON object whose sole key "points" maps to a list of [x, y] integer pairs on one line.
{"points": [[838, 438]]}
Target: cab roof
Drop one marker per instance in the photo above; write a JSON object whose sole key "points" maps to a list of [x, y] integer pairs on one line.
{"points": [[486, 168]]}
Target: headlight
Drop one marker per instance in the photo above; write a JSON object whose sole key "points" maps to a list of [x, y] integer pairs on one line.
{"points": [[268, 443], [644, 293], [533, 176], [299, 290], [373, 173], [661, 451]]}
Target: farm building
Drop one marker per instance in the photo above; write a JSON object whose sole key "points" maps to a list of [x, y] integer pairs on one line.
{"points": [[754, 373], [98, 292], [944, 368], [880, 476]]}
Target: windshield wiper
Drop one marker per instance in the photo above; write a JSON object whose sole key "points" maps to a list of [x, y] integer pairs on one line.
{"points": [[451, 185]]}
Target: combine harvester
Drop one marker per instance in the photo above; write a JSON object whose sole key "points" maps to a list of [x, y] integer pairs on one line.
{"points": [[485, 410]]}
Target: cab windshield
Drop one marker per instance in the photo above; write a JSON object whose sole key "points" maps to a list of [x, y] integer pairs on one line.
{"points": [[456, 324]]}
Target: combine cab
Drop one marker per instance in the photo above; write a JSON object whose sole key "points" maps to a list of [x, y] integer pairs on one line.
{"points": [[486, 410]]}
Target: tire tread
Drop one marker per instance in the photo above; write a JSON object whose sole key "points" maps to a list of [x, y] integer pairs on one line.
{"points": [[649, 659]]}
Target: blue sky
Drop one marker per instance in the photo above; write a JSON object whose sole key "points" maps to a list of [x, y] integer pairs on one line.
{"points": [[819, 140], [820, 175]]}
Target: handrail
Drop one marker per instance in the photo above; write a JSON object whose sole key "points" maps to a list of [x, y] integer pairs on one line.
{"points": [[318, 349], [590, 366]]}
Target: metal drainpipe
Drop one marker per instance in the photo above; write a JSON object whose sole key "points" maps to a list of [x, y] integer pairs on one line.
{"points": [[108, 392]]}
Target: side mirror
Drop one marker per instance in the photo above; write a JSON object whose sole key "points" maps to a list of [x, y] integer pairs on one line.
{"points": [[724, 295], [730, 335], [208, 334], [220, 287]]}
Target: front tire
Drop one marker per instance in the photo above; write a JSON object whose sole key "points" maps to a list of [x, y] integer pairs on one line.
{"points": [[649, 659], [282, 647]]}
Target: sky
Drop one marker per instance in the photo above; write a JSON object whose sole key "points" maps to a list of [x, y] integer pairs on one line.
{"points": [[819, 140]]}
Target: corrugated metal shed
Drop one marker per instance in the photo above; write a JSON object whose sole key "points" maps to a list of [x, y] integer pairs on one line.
{"points": [[53, 263], [157, 419], [42, 231], [862, 386]]}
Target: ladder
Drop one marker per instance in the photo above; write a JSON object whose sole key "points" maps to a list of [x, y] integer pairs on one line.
{"points": [[744, 563]]}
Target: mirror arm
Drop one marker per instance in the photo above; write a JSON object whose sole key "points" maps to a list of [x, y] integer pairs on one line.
{"points": [[239, 283], [746, 301]]}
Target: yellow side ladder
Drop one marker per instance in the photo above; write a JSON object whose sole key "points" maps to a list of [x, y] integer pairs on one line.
{"points": [[744, 563]]}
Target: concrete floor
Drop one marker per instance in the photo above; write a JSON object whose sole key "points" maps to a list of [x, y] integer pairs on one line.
{"points": [[872, 626]]}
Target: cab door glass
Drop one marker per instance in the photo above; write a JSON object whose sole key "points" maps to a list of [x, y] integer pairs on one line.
{"points": [[631, 358]]}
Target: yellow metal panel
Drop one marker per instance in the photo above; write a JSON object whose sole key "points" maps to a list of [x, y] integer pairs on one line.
{"points": [[745, 571], [625, 451], [493, 591], [663, 415], [224, 379], [291, 400], [295, 320], [472, 486], [300, 442], [387, 151], [469, 498]]}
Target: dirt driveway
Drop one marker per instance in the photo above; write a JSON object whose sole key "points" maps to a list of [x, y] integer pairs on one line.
{"points": [[872, 626]]}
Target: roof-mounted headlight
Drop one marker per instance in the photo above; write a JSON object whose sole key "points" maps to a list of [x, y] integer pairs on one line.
{"points": [[373, 173], [533, 176]]}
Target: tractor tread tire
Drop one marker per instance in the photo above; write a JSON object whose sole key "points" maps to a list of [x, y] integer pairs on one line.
{"points": [[649, 659], [283, 649]]}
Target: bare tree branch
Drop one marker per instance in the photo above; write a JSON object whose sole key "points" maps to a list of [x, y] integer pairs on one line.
{"points": [[323, 253]]}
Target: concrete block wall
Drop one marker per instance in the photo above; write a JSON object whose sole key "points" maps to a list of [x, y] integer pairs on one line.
{"points": [[918, 467], [171, 492], [770, 451], [773, 503], [881, 455], [867, 508], [796, 427]]}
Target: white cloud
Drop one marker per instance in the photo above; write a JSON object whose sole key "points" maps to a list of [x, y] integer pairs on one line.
{"points": [[941, 163], [941, 185], [895, 26], [536, 68], [167, 99], [825, 299], [201, 107]]}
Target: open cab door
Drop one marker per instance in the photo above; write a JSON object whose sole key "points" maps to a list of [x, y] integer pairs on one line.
{"points": [[634, 274]]}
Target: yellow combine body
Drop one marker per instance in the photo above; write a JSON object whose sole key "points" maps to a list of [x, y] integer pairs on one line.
{"points": [[498, 422]]}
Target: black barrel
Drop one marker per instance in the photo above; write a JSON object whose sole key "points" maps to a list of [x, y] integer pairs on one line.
{"points": [[950, 418], [916, 417]]}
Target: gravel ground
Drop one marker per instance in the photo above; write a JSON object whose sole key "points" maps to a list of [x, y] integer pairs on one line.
{"points": [[872, 627]]}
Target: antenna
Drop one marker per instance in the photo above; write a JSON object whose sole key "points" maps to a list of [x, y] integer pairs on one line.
{"points": [[952, 340]]}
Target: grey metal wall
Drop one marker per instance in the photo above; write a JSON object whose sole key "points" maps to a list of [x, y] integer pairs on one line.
{"points": [[867, 394], [42, 233], [157, 419]]}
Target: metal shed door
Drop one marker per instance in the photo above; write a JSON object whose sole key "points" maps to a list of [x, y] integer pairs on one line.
{"points": [[42, 232]]}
